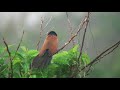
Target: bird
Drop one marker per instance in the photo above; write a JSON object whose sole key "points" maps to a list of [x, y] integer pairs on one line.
{"points": [[48, 49]]}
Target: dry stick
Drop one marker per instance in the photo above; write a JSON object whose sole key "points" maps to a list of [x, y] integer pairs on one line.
{"points": [[89, 67], [70, 27], [80, 28], [87, 73], [109, 52], [18, 45], [42, 29], [11, 64], [48, 22], [93, 39], [41, 26], [99, 56], [87, 21]]}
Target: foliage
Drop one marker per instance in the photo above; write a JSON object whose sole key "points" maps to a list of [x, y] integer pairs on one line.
{"points": [[63, 64]]}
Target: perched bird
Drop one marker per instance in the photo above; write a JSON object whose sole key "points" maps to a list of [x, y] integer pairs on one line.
{"points": [[49, 47]]}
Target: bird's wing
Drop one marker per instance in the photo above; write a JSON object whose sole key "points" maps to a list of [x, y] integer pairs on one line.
{"points": [[42, 61]]}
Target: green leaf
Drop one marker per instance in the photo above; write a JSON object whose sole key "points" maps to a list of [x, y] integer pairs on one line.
{"points": [[33, 53], [32, 76], [16, 60], [20, 55], [75, 49], [85, 58], [24, 48], [61, 58]]}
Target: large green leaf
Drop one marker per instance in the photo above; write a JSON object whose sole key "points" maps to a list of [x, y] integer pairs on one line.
{"points": [[33, 53], [16, 60], [85, 58], [24, 48]]}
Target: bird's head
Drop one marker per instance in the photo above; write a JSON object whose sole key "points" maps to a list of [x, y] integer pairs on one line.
{"points": [[52, 33]]}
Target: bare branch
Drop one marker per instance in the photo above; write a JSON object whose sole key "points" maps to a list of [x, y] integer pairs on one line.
{"points": [[69, 24], [67, 43], [93, 39], [42, 29], [41, 26], [100, 56], [108, 52], [18, 45], [48, 22], [11, 64], [7, 48], [80, 28], [70, 28], [87, 21]]}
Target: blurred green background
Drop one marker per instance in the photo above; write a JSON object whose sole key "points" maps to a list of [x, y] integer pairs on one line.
{"points": [[103, 31]]}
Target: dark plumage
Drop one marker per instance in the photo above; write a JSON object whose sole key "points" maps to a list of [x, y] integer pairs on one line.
{"points": [[49, 47], [42, 61], [52, 33]]}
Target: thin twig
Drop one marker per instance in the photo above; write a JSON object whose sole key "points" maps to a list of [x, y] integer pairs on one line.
{"points": [[18, 45], [70, 27], [93, 39], [87, 21], [89, 67], [109, 52], [11, 64], [7, 47], [86, 73], [113, 47], [42, 29], [79, 29], [99, 57], [48, 22]]}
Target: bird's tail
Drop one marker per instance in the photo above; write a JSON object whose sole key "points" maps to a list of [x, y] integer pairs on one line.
{"points": [[41, 61]]}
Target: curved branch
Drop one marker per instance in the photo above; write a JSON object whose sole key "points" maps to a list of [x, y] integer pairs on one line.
{"points": [[87, 21], [18, 45], [100, 56], [10, 75], [79, 29]]}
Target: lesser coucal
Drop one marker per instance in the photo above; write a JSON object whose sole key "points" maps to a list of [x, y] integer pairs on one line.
{"points": [[49, 47]]}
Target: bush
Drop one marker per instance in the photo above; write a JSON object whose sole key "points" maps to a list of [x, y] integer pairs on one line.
{"points": [[63, 64]]}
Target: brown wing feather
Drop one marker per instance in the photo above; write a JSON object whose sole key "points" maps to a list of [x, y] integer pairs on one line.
{"points": [[42, 61], [49, 47]]}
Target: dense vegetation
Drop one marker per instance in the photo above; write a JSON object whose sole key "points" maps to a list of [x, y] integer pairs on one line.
{"points": [[64, 64]]}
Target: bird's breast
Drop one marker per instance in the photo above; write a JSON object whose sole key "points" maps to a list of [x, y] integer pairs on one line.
{"points": [[51, 43]]}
